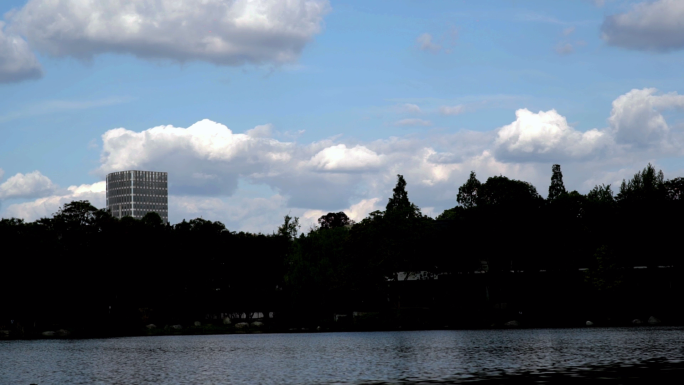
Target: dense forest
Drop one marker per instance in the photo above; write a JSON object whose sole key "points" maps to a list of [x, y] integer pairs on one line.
{"points": [[503, 252]]}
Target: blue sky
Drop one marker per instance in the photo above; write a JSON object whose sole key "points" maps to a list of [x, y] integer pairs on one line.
{"points": [[349, 93]]}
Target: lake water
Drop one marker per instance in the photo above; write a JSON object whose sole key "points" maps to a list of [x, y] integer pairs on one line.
{"points": [[355, 358]]}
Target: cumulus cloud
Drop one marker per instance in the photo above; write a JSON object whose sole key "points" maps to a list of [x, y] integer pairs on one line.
{"points": [[648, 26], [48, 205], [636, 117], [30, 185], [207, 157], [263, 131], [412, 122], [251, 180], [17, 61], [224, 32], [546, 136], [341, 158]]}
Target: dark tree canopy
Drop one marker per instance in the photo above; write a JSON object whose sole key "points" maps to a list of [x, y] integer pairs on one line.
{"points": [[645, 184], [557, 188], [467, 194], [289, 228], [334, 220], [601, 193], [499, 190]]}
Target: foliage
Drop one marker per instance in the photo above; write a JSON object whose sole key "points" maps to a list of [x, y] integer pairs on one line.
{"points": [[83, 267], [557, 188], [334, 220], [467, 193], [289, 228]]}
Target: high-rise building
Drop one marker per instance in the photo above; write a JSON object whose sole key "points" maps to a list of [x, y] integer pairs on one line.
{"points": [[136, 193]]}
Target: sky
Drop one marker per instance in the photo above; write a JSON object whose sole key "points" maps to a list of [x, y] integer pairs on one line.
{"points": [[262, 108]]}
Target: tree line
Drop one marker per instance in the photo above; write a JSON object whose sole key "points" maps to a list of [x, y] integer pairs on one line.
{"points": [[82, 268]]}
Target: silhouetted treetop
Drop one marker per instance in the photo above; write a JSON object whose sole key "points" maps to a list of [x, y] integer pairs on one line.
{"points": [[399, 204], [601, 193], [645, 184], [499, 190], [334, 220], [467, 193], [557, 188]]}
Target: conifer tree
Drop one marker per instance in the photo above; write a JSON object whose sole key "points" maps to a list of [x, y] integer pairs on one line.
{"points": [[556, 188]]}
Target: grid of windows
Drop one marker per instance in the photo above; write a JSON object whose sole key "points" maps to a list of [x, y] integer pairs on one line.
{"points": [[135, 193]]}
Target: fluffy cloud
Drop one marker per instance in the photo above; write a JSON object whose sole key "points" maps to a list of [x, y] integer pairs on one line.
{"points": [[636, 118], [251, 180], [207, 157], [546, 136], [225, 32], [45, 207], [341, 158], [649, 26], [17, 62], [31, 185]]}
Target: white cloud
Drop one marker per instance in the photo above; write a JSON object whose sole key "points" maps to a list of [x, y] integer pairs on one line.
{"points": [[263, 131], [452, 110], [546, 136], [648, 26], [568, 31], [45, 207], [636, 117], [30, 185], [17, 62], [341, 158], [412, 122], [251, 180], [361, 209], [224, 32], [425, 43], [411, 108]]}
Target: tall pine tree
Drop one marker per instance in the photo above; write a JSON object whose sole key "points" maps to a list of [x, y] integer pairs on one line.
{"points": [[556, 188]]}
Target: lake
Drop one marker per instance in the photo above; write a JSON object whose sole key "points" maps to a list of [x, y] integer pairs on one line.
{"points": [[350, 358]]}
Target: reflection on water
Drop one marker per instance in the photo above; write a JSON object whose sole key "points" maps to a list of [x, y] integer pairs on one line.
{"points": [[495, 356]]}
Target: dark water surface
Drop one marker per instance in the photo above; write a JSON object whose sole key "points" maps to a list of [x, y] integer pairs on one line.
{"points": [[616, 355]]}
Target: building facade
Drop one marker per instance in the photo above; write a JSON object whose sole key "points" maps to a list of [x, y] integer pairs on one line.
{"points": [[135, 193]]}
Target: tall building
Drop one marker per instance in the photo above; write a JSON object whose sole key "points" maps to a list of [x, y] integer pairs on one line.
{"points": [[136, 193]]}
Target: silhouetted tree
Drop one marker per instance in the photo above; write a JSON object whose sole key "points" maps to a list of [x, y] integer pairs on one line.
{"points": [[499, 190], [334, 220], [557, 188], [601, 193], [646, 184], [467, 193], [289, 228]]}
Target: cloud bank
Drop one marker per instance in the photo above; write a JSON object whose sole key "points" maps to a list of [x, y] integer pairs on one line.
{"points": [[223, 32], [250, 180]]}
